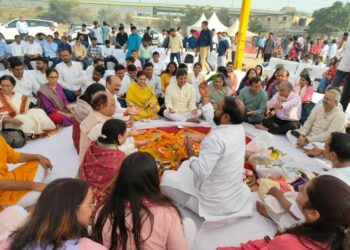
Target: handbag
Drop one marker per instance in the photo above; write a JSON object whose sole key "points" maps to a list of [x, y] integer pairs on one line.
{"points": [[14, 137]]}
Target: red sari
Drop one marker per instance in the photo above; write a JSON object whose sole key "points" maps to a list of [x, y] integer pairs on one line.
{"points": [[100, 166]]}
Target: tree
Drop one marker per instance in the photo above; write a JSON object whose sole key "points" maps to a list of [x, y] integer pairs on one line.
{"points": [[193, 13], [255, 26], [225, 17], [83, 15], [331, 19], [61, 10], [165, 23], [108, 15]]}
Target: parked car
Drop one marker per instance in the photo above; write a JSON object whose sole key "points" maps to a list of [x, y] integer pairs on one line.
{"points": [[154, 32], [36, 26]]}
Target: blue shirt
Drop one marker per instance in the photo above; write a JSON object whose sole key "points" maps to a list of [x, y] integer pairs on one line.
{"points": [[222, 47], [134, 43], [64, 47], [50, 49], [192, 42], [261, 42], [4, 48], [57, 41], [205, 39]]}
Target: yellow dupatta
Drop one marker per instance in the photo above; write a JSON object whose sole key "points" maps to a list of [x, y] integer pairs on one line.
{"points": [[142, 98]]}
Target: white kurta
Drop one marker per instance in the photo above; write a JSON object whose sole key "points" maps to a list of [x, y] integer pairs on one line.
{"points": [[217, 176]]}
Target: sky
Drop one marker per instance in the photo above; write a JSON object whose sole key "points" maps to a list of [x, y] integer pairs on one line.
{"points": [[302, 5]]}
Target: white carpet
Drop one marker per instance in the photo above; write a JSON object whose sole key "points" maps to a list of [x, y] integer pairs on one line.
{"points": [[60, 150]]}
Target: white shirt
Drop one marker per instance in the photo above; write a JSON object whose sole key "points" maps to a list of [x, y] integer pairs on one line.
{"points": [[324, 51], [22, 27], [182, 100], [84, 82], [125, 85], [158, 67], [119, 110], [17, 49], [68, 73], [340, 173], [89, 70], [33, 49], [27, 85], [344, 64], [106, 52], [218, 173], [41, 77], [332, 51], [161, 39], [97, 32]]}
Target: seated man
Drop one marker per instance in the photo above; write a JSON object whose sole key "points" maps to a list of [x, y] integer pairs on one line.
{"points": [[254, 99], [85, 81], [17, 48], [126, 80], [64, 45], [108, 54], [211, 185], [153, 80], [26, 83], [180, 100], [32, 50], [324, 119], [90, 69], [113, 85], [94, 51], [21, 186], [68, 71], [50, 50], [283, 111], [42, 66], [79, 53], [158, 65]]}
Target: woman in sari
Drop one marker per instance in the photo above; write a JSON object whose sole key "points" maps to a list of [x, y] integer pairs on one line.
{"points": [[141, 96], [52, 99], [103, 158], [251, 73], [15, 112], [218, 90], [232, 75]]}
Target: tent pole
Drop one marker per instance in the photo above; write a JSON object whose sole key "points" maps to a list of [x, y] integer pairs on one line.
{"points": [[242, 33]]}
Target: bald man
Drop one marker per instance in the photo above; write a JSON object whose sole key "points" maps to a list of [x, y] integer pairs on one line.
{"points": [[283, 111], [211, 185]]}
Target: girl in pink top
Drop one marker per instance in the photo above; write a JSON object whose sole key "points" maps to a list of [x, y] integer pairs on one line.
{"points": [[58, 221], [136, 215], [304, 88], [324, 202]]}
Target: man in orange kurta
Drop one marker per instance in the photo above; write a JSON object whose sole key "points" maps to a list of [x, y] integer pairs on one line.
{"points": [[15, 184]]}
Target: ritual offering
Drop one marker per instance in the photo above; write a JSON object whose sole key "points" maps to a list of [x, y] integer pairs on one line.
{"points": [[169, 148], [249, 178]]}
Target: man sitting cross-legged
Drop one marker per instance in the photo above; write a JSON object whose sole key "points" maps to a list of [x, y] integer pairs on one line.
{"points": [[283, 110], [324, 119], [180, 100]]}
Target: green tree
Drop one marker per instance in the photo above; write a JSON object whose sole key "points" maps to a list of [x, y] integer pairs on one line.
{"points": [[165, 23], [255, 26], [61, 11], [225, 17], [193, 13], [108, 15], [331, 19]]}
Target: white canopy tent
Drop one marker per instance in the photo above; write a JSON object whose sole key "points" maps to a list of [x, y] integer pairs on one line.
{"points": [[231, 31], [214, 23], [197, 25]]}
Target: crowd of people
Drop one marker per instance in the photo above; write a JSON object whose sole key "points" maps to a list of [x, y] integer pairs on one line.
{"points": [[118, 191]]}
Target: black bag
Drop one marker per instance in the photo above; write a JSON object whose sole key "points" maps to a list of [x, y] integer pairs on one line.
{"points": [[189, 58], [14, 137]]}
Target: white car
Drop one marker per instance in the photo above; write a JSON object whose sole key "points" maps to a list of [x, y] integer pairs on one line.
{"points": [[8, 30]]}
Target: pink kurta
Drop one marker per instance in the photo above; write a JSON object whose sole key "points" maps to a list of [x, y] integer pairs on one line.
{"points": [[167, 234]]}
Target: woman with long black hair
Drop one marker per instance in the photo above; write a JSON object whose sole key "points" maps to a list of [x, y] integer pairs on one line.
{"points": [[136, 215]]}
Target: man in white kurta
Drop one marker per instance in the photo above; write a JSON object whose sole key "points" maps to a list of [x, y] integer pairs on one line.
{"points": [[180, 100], [211, 185]]}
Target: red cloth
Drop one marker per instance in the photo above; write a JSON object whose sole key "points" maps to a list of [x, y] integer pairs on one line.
{"points": [[100, 166], [76, 134], [56, 118]]}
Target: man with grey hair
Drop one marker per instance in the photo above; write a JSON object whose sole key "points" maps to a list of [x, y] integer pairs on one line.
{"points": [[283, 111], [324, 119]]}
